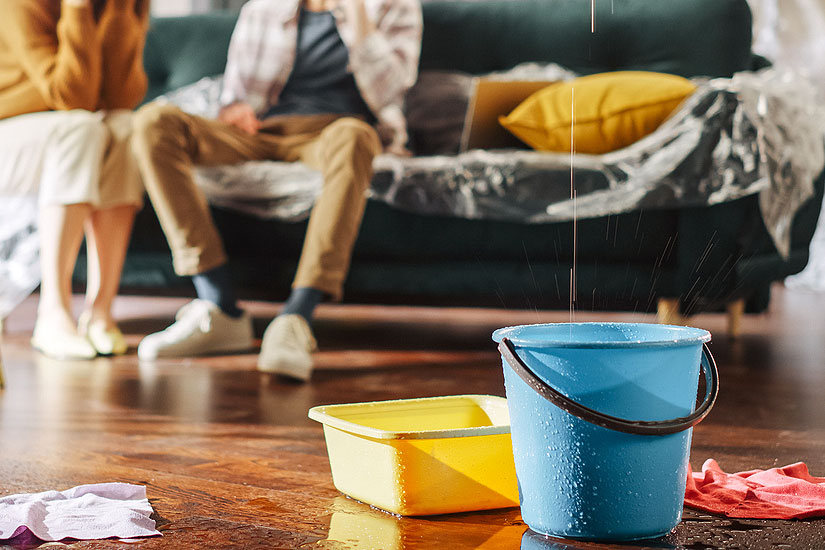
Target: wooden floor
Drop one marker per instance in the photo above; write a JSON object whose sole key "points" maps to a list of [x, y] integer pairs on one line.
{"points": [[230, 459]]}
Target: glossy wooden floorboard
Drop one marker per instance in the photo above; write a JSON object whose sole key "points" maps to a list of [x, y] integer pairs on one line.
{"points": [[230, 459]]}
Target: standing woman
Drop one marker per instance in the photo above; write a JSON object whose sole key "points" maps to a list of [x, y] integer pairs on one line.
{"points": [[70, 73]]}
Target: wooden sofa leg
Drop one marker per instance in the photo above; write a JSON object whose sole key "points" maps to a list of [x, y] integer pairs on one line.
{"points": [[736, 311], [667, 312]]}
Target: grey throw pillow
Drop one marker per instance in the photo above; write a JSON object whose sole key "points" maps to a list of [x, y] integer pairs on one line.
{"points": [[435, 108]]}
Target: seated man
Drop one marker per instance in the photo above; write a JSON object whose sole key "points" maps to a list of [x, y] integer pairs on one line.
{"points": [[316, 81]]}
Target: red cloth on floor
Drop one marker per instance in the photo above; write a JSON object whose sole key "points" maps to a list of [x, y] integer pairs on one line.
{"points": [[789, 492]]}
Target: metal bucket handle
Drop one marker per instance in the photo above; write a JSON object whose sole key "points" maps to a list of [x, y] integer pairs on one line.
{"points": [[636, 427]]}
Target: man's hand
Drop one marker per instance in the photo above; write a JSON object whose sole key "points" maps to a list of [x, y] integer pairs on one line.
{"points": [[241, 116], [78, 3], [356, 13]]}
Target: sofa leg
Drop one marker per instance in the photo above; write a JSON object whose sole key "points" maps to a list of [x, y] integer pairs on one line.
{"points": [[667, 312], [736, 311]]}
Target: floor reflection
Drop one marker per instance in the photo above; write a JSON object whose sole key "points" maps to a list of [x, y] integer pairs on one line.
{"points": [[357, 526], [27, 541], [534, 541]]}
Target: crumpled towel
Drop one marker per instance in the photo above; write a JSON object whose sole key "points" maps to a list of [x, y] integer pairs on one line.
{"points": [[85, 512], [789, 492]]}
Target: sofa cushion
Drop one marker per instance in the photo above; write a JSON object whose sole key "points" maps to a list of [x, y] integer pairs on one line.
{"points": [[598, 113]]}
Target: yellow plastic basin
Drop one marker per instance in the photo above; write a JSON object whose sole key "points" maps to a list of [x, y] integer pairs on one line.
{"points": [[426, 456]]}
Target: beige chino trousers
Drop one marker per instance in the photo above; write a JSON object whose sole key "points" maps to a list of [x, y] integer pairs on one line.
{"points": [[168, 142]]}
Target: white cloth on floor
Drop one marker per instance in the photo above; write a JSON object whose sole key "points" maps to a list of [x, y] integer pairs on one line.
{"points": [[85, 512]]}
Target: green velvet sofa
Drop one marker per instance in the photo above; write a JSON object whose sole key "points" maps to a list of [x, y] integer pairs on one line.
{"points": [[701, 258]]}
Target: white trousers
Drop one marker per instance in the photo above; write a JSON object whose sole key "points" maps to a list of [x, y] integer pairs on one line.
{"points": [[51, 158], [70, 157]]}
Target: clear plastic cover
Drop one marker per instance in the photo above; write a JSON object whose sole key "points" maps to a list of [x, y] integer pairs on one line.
{"points": [[19, 250]]}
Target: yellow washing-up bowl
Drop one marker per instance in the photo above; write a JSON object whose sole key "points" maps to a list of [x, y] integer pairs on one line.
{"points": [[426, 456]]}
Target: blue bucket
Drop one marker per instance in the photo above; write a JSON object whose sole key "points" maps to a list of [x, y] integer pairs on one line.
{"points": [[601, 418]]}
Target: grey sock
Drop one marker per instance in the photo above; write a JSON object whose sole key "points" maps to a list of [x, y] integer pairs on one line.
{"points": [[303, 301], [216, 286]]}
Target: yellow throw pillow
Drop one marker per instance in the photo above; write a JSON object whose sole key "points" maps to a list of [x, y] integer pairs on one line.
{"points": [[612, 110]]}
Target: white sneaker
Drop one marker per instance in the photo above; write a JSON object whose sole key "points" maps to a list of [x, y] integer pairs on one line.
{"points": [[287, 347], [107, 341], [200, 328], [58, 340]]}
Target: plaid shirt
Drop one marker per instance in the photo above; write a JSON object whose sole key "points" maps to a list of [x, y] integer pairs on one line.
{"points": [[384, 64]]}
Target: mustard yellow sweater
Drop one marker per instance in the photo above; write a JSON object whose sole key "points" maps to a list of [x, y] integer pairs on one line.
{"points": [[55, 58]]}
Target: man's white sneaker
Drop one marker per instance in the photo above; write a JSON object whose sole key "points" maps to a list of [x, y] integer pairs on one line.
{"points": [[287, 347], [200, 328]]}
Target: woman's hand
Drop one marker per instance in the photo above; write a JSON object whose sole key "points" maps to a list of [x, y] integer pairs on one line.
{"points": [[140, 7], [241, 116], [354, 12]]}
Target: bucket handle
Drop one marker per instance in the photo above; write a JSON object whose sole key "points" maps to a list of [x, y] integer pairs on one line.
{"points": [[636, 427]]}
